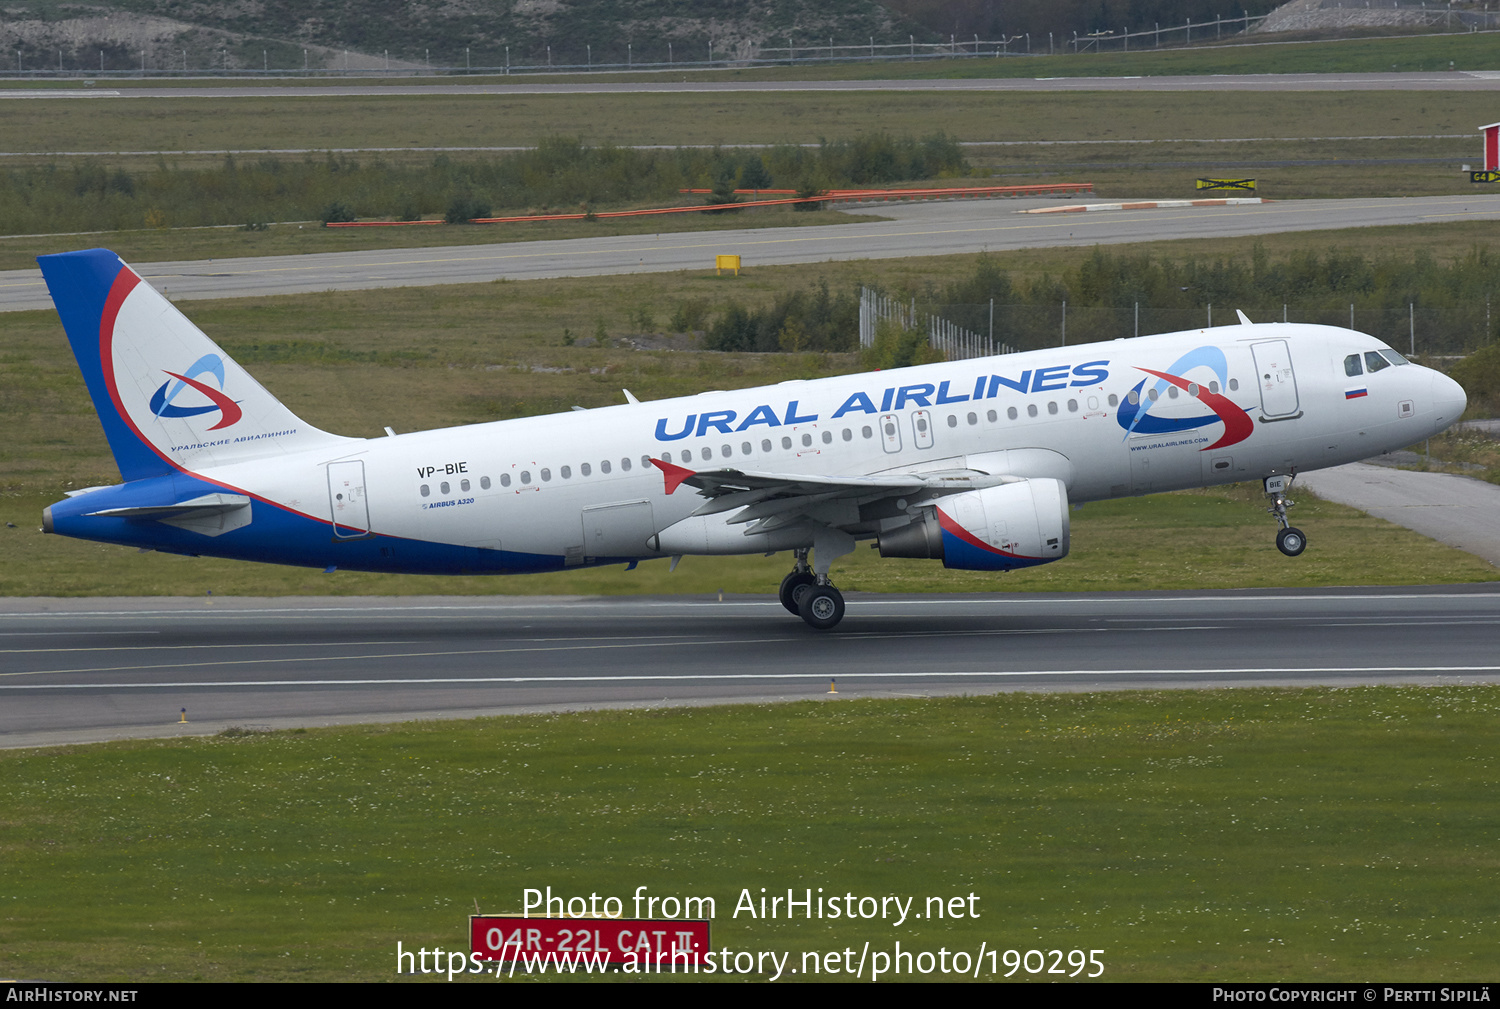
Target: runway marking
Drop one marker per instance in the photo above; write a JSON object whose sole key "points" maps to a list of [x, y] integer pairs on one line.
{"points": [[549, 607], [204, 647], [854, 678], [572, 645]]}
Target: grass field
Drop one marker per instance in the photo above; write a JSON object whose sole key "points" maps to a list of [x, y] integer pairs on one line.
{"points": [[1294, 835], [321, 123]]}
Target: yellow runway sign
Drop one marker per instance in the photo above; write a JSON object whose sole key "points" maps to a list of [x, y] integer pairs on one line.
{"points": [[1243, 185]]}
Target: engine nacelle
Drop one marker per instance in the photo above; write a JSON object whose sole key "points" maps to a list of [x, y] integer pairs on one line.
{"points": [[1012, 525]]}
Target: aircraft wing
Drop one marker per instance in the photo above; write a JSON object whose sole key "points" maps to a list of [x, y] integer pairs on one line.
{"points": [[775, 499]]}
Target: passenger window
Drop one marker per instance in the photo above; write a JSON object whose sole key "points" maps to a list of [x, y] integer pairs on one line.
{"points": [[1213, 387], [1114, 400], [1352, 366], [992, 416], [546, 474], [786, 443], [1134, 397], [1072, 406], [827, 437], [746, 448], [604, 467], [645, 462], [921, 425], [584, 469], [726, 451], [463, 485], [1152, 395], [484, 483], [1052, 407], [973, 419], [707, 454], [443, 487], [1011, 413], [1234, 385], [765, 444], [953, 420], [625, 464], [1171, 392], [806, 440], [566, 472], [848, 434], [866, 431], [1374, 362], [526, 476], [426, 490], [1031, 410], [504, 479]]}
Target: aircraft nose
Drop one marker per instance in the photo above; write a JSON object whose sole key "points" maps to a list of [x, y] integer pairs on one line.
{"points": [[1448, 399]]}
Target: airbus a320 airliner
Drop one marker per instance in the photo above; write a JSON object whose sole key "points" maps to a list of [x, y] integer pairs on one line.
{"points": [[972, 463]]}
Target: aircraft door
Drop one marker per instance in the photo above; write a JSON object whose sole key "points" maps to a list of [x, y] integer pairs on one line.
{"points": [[1278, 384], [617, 530], [890, 433], [921, 429], [346, 498]]}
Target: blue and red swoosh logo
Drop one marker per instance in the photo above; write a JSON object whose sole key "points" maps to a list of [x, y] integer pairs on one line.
{"points": [[162, 404], [1135, 416]]}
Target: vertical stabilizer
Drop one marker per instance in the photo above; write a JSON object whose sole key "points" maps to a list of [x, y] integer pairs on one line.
{"points": [[167, 396]]}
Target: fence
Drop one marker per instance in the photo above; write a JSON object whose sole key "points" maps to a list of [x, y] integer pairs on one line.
{"points": [[956, 342], [976, 330]]}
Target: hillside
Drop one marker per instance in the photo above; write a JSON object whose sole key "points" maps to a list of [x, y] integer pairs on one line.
{"points": [[202, 33]]}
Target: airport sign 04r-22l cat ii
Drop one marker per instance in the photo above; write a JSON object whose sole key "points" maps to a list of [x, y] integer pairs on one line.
{"points": [[972, 463]]}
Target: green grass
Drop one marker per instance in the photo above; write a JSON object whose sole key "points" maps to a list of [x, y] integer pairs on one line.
{"points": [[1289, 835], [321, 123]]}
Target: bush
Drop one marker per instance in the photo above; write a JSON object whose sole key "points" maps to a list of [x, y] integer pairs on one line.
{"points": [[464, 209], [336, 213]]}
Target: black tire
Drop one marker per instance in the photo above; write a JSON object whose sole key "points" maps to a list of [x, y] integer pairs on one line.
{"points": [[823, 607], [1291, 541], [793, 587]]}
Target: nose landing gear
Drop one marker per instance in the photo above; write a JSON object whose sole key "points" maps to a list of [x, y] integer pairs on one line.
{"points": [[1289, 540]]}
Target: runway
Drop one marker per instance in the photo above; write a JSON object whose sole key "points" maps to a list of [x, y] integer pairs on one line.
{"points": [[656, 82], [930, 229], [91, 669]]}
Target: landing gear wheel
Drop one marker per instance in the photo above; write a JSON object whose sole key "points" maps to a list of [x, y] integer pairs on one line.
{"points": [[822, 607], [1291, 541], [793, 587]]}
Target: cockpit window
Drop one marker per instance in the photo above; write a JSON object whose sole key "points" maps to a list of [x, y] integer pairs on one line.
{"points": [[1352, 367], [1375, 362], [1394, 357]]}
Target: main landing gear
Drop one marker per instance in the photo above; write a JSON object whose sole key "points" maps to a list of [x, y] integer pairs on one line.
{"points": [[811, 596], [1289, 540]]}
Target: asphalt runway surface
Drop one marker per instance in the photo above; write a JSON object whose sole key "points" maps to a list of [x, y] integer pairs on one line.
{"points": [[926, 229], [90, 669], [656, 81]]}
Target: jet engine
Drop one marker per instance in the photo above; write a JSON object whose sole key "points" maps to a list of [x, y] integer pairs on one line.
{"points": [[1012, 525]]}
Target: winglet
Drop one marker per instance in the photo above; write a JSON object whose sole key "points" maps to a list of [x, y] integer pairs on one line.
{"points": [[630, 398], [673, 475]]}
